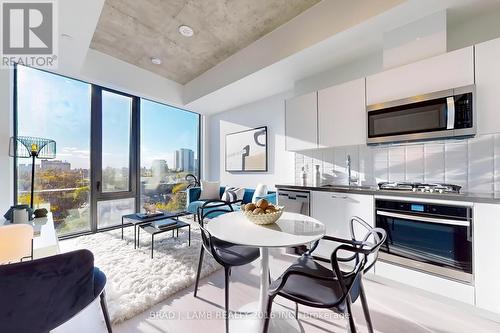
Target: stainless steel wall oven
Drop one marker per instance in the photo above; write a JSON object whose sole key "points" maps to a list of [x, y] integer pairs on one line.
{"points": [[431, 237]]}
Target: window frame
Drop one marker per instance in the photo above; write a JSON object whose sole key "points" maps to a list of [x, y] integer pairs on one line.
{"points": [[135, 149]]}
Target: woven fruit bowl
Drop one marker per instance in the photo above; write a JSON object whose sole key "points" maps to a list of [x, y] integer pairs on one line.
{"points": [[262, 212], [265, 218]]}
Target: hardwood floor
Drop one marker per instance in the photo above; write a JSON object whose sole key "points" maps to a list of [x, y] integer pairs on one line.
{"points": [[394, 308]]}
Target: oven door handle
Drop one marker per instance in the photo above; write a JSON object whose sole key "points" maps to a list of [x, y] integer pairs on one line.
{"points": [[424, 219]]}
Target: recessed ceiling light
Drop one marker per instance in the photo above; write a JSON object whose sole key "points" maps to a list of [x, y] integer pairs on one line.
{"points": [[156, 61], [186, 31]]}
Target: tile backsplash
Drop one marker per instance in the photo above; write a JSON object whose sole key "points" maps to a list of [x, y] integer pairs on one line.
{"points": [[472, 163]]}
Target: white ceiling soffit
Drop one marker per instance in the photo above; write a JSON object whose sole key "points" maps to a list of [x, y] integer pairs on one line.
{"points": [[78, 20], [233, 83], [319, 22]]}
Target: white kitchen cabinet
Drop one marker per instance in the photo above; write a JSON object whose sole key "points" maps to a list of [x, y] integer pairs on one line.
{"points": [[335, 211], [486, 263], [488, 86], [342, 114], [448, 288], [446, 71], [301, 122]]}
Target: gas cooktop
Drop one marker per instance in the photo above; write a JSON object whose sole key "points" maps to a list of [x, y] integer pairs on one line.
{"points": [[420, 187]]}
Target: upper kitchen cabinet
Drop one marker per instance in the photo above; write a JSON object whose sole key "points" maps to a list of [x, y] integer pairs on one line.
{"points": [[342, 114], [301, 122], [449, 70], [488, 86]]}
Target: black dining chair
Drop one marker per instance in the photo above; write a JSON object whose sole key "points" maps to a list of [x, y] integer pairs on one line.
{"points": [[40, 295], [227, 254], [309, 283]]}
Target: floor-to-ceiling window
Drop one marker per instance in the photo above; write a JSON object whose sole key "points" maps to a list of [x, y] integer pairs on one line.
{"points": [[58, 108], [97, 175], [115, 152], [169, 151]]}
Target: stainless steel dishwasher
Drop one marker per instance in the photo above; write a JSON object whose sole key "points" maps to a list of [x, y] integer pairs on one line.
{"points": [[294, 201]]}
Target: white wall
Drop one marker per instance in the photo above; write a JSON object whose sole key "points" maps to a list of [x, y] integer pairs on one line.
{"points": [[110, 72], [357, 68], [417, 40], [477, 29], [268, 112], [6, 127]]}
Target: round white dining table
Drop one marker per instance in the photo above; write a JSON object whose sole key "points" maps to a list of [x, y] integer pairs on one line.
{"points": [[290, 230]]}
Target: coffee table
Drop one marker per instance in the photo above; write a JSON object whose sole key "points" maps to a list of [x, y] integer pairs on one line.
{"points": [[154, 229], [137, 221]]}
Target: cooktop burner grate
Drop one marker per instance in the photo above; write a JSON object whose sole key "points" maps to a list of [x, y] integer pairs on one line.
{"points": [[420, 187]]}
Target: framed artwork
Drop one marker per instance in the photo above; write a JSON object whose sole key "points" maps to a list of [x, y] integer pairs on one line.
{"points": [[246, 151]]}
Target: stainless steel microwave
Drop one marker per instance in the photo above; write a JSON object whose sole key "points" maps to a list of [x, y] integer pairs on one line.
{"points": [[443, 114]]}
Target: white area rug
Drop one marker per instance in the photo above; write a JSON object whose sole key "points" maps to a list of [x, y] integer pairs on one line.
{"points": [[135, 281]]}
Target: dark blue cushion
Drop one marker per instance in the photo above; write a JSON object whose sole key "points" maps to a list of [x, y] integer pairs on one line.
{"points": [[99, 281]]}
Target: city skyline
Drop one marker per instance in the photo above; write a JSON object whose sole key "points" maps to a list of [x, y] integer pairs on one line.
{"points": [[64, 165]]}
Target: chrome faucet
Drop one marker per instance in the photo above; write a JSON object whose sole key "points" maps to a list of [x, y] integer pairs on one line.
{"points": [[350, 179]]}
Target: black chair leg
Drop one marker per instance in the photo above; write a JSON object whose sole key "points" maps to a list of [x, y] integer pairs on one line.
{"points": [[104, 308], [227, 273], [200, 263], [267, 318], [366, 311], [352, 325], [297, 311]]}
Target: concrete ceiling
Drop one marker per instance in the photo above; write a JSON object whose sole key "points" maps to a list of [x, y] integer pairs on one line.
{"points": [[135, 31]]}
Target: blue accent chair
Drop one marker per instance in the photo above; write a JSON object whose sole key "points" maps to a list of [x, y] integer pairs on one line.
{"points": [[194, 202], [40, 295]]}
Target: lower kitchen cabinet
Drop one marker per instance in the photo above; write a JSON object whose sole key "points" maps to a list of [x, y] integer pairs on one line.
{"points": [[486, 256], [335, 211]]}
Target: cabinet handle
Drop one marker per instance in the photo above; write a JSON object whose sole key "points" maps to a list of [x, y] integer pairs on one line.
{"points": [[340, 197]]}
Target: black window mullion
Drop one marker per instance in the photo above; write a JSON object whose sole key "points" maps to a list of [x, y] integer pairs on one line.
{"points": [[95, 152], [137, 143]]}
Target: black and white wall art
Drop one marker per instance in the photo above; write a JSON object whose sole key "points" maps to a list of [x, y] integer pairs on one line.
{"points": [[246, 151]]}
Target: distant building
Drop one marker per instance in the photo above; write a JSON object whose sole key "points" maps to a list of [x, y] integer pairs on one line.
{"points": [[159, 168], [177, 160], [55, 165], [184, 160], [25, 168]]}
